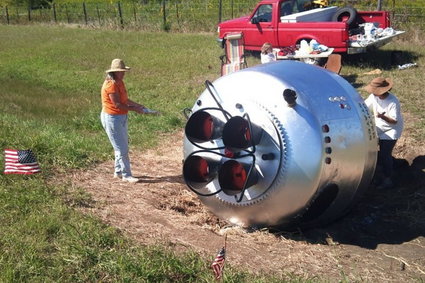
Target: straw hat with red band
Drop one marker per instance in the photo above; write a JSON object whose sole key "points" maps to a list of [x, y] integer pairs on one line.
{"points": [[118, 65], [379, 86]]}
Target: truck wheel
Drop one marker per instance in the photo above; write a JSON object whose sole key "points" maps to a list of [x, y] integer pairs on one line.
{"points": [[345, 14], [306, 39]]}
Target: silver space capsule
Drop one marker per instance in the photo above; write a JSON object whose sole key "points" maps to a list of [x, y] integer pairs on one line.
{"points": [[279, 144]]}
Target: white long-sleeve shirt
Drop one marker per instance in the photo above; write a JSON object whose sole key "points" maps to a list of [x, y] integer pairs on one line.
{"points": [[391, 106]]}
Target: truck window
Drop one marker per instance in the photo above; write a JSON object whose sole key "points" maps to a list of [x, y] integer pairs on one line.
{"points": [[264, 13], [293, 6], [286, 8], [301, 5]]}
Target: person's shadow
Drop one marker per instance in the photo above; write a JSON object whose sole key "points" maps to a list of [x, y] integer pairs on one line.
{"points": [[391, 216], [178, 179]]}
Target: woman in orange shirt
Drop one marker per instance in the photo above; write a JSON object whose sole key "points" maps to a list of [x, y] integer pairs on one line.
{"points": [[114, 117]]}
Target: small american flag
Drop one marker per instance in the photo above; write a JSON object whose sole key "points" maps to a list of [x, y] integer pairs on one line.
{"points": [[218, 263], [20, 162]]}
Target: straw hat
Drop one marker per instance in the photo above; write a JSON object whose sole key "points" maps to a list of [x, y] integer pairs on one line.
{"points": [[118, 65], [379, 86]]}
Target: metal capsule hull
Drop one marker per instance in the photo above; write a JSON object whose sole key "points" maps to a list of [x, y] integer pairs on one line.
{"points": [[305, 160]]}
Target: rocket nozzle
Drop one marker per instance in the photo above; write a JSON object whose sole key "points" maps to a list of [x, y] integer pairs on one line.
{"points": [[199, 171], [239, 134], [202, 127], [234, 177]]}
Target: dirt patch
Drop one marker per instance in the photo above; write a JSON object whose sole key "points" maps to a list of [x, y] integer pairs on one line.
{"points": [[381, 240]]}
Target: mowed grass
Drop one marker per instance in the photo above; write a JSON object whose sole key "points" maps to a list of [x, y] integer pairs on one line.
{"points": [[51, 79]]}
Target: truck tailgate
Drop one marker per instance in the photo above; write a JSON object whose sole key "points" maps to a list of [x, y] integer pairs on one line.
{"points": [[361, 46]]}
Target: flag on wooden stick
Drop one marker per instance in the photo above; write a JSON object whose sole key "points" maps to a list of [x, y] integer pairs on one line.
{"points": [[218, 263], [20, 162]]}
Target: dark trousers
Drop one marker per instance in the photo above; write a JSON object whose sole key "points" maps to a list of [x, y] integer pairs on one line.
{"points": [[385, 158]]}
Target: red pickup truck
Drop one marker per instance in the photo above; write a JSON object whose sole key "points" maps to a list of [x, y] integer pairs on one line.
{"points": [[285, 23]]}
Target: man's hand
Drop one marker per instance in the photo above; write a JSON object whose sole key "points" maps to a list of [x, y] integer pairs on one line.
{"points": [[386, 118], [381, 115]]}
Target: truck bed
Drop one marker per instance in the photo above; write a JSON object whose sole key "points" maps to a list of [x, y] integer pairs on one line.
{"points": [[361, 46]]}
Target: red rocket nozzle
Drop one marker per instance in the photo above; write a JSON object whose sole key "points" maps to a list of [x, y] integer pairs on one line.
{"points": [[238, 135], [199, 171], [233, 177], [202, 127]]}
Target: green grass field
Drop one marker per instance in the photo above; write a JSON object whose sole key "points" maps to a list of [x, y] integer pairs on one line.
{"points": [[51, 78]]}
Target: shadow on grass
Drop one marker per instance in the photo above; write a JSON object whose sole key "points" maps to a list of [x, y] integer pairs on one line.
{"points": [[392, 216], [352, 80], [385, 60], [178, 179]]}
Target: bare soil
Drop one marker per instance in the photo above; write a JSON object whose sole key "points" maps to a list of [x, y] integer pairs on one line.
{"points": [[381, 240]]}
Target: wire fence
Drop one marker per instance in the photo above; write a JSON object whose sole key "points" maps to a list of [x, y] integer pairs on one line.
{"points": [[180, 16]]}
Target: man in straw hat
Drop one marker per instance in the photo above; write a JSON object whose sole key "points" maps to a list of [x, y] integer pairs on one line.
{"points": [[389, 123], [115, 107]]}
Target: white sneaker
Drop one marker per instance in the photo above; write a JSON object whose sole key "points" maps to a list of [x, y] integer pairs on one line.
{"points": [[130, 179], [117, 175]]}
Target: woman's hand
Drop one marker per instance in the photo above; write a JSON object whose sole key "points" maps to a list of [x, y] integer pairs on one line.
{"points": [[150, 111], [145, 110], [139, 110]]}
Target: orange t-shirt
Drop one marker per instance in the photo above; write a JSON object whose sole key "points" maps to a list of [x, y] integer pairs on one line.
{"points": [[109, 87]]}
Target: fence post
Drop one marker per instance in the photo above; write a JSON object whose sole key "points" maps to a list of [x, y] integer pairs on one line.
{"points": [[7, 15], [67, 14], [232, 8], [164, 16], [54, 12], [379, 8], [134, 13], [177, 13], [98, 14], [85, 12], [393, 10], [120, 14], [29, 13], [220, 2]]}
